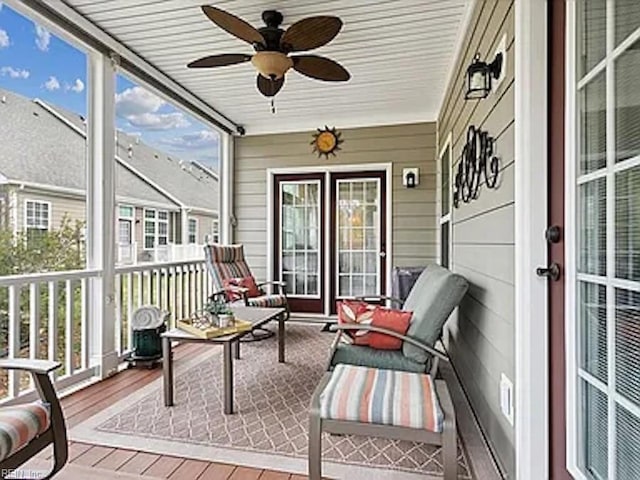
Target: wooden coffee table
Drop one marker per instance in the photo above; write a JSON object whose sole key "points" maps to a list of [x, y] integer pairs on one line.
{"points": [[231, 348]]}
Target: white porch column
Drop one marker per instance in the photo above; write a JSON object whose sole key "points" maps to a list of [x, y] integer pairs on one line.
{"points": [[531, 309], [101, 213], [184, 226], [227, 221]]}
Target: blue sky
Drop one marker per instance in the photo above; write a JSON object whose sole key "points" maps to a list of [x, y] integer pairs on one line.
{"points": [[37, 64]]}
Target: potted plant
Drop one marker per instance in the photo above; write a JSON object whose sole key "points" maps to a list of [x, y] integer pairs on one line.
{"points": [[221, 314]]}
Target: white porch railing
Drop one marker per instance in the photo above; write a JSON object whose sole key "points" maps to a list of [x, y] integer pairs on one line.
{"points": [[181, 288], [44, 315], [127, 254]]}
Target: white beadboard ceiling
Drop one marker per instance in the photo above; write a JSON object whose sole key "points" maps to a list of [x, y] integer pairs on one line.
{"points": [[399, 53]]}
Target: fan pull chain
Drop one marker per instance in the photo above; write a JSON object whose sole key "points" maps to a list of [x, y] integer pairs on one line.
{"points": [[273, 105]]}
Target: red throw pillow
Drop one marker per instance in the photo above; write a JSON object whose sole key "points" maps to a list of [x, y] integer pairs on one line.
{"points": [[395, 320], [355, 312], [244, 282]]}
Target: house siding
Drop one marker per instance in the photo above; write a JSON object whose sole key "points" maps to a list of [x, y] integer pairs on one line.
{"points": [[480, 337], [74, 208], [413, 210]]}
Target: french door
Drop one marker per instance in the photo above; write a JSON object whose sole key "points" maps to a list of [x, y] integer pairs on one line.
{"points": [[603, 251], [329, 237]]}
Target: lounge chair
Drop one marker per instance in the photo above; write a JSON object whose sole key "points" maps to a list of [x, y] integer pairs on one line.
{"points": [[432, 299], [26, 429], [225, 262]]}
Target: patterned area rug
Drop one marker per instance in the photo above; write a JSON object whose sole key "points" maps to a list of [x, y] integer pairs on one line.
{"points": [[271, 401]]}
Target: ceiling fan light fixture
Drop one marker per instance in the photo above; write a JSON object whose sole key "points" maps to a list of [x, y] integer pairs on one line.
{"points": [[271, 65]]}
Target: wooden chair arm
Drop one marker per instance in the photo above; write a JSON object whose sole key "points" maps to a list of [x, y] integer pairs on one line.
{"points": [[391, 333]]}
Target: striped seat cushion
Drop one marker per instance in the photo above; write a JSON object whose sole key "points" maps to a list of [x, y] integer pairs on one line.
{"points": [[21, 424], [387, 397], [267, 301]]}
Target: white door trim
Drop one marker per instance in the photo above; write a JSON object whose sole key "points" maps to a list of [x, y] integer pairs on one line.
{"points": [[531, 322], [328, 170]]}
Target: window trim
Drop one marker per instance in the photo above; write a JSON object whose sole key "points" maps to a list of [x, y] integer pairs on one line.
{"points": [[26, 216], [575, 374], [156, 232], [443, 219], [195, 233]]}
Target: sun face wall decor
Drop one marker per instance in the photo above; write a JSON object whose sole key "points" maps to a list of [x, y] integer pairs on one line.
{"points": [[326, 141]]}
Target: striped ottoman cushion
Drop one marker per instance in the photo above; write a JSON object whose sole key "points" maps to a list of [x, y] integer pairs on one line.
{"points": [[387, 397], [21, 424]]}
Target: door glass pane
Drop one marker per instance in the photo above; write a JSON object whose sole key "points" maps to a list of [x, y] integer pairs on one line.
{"points": [[592, 24], [594, 420], [593, 329], [627, 13], [358, 205], [628, 444], [628, 224], [628, 344], [300, 236], [592, 257], [593, 125], [627, 72]]}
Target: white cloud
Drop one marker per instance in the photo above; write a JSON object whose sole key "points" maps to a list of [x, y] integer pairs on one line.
{"points": [[4, 38], [204, 139], [141, 109], [77, 87], [52, 84], [43, 37], [14, 72], [0, 6], [158, 121]]}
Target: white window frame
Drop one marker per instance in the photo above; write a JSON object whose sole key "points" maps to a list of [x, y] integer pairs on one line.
{"points": [[156, 220], [448, 218], [26, 214], [195, 232], [574, 374], [280, 253], [129, 218], [378, 247]]}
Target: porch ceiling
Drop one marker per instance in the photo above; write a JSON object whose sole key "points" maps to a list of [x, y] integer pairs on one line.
{"points": [[399, 53]]}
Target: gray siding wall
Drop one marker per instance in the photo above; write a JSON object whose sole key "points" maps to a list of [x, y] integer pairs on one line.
{"points": [[74, 208], [414, 210], [480, 337]]}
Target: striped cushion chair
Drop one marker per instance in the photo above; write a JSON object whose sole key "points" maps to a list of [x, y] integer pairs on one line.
{"points": [[28, 428], [355, 400], [225, 262]]}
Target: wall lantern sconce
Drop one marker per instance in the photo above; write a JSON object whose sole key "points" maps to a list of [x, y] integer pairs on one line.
{"points": [[480, 75], [410, 177]]}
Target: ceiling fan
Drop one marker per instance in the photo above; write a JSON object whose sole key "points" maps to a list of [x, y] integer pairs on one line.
{"points": [[273, 45]]}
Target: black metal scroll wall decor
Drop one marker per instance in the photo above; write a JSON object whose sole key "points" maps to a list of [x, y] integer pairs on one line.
{"points": [[478, 166]]}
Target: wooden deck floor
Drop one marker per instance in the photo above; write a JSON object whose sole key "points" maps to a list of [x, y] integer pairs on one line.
{"points": [[91, 400]]}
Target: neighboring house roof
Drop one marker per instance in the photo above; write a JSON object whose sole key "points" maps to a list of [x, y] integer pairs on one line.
{"points": [[45, 145]]}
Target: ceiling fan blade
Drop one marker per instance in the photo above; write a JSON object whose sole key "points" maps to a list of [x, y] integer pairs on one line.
{"points": [[320, 68], [234, 25], [310, 33], [267, 87], [219, 60]]}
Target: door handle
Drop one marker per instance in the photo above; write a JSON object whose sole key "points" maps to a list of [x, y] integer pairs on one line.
{"points": [[382, 254], [552, 271]]}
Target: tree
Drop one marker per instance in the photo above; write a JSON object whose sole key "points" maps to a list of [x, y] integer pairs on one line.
{"points": [[46, 251]]}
